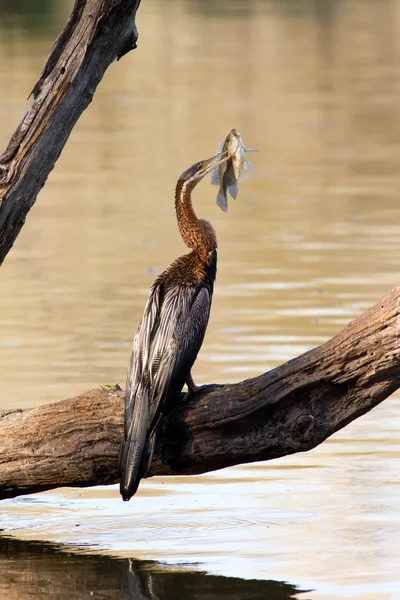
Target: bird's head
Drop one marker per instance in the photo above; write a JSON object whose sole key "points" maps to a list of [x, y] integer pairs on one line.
{"points": [[196, 172]]}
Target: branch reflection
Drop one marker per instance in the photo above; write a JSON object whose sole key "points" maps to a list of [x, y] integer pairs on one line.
{"points": [[41, 570]]}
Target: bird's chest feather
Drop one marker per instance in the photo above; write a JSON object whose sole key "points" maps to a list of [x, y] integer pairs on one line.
{"points": [[191, 270]]}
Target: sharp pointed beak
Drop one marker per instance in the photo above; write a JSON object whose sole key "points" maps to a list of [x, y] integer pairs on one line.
{"points": [[212, 163]]}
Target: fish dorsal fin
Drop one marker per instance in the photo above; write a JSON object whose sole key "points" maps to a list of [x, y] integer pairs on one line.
{"points": [[215, 179], [220, 147]]}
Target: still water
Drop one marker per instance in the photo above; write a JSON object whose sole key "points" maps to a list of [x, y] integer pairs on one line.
{"points": [[312, 241]]}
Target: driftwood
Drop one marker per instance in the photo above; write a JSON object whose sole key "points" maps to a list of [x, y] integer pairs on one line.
{"points": [[97, 33], [292, 408]]}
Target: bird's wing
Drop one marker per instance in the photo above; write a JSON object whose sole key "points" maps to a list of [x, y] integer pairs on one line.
{"points": [[183, 322], [137, 401], [168, 338], [137, 374], [165, 346]]}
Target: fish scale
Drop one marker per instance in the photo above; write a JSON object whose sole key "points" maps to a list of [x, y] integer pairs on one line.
{"points": [[229, 174]]}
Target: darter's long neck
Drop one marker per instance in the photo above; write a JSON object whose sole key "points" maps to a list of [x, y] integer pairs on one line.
{"points": [[197, 234]]}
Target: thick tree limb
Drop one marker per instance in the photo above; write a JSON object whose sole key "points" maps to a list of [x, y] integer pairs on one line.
{"points": [[292, 408], [97, 33]]}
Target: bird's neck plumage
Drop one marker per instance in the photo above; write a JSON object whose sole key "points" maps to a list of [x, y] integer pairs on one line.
{"points": [[197, 234]]}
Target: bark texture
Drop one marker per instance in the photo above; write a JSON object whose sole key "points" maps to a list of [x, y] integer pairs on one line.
{"points": [[97, 33], [292, 408]]}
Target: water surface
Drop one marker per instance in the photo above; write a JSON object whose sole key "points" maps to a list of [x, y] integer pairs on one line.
{"points": [[311, 242]]}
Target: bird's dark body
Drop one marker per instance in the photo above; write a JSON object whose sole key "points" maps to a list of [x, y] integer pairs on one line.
{"points": [[162, 378], [190, 273], [185, 274], [168, 338]]}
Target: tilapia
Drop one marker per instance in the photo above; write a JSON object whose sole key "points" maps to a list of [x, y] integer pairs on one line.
{"points": [[229, 173]]}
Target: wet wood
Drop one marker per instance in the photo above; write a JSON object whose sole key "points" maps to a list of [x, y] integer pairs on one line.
{"points": [[292, 408], [97, 33]]}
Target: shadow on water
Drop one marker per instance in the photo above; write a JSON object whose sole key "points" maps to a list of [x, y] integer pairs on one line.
{"points": [[41, 570]]}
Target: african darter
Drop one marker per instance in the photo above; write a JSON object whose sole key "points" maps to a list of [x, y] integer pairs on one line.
{"points": [[170, 334]]}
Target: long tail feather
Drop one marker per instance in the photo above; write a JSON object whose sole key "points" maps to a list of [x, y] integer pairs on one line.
{"points": [[148, 453], [131, 456]]}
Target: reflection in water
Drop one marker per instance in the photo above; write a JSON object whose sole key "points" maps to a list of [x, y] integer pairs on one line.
{"points": [[39, 570]]}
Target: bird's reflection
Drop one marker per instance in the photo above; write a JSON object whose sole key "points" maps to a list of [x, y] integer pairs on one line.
{"points": [[41, 570]]}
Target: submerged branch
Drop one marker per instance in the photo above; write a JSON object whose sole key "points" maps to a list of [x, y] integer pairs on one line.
{"points": [[292, 408]]}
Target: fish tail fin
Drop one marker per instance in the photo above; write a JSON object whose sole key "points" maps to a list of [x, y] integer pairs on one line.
{"points": [[234, 189], [132, 453], [222, 201]]}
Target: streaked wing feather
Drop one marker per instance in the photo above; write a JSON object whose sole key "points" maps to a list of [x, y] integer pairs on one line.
{"points": [[140, 352], [165, 347], [184, 317]]}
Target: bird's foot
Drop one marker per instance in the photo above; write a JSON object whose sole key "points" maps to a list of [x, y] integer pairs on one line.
{"points": [[193, 392], [193, 389]]}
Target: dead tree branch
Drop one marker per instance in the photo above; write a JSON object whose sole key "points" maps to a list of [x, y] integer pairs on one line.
{"points": [[97, 33], [292, 408]]}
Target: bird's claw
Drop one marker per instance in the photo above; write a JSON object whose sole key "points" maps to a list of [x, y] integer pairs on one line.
{"points": [[193, 392]]}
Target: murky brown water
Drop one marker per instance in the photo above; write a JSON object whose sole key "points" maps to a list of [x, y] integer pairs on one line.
{"points": [[313, 240]]}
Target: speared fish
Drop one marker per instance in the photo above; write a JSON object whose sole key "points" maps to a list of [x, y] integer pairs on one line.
{"points": [[229, 173]]}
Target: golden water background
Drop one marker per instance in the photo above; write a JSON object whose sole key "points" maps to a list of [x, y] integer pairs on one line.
{"points": [[312, 241]]}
